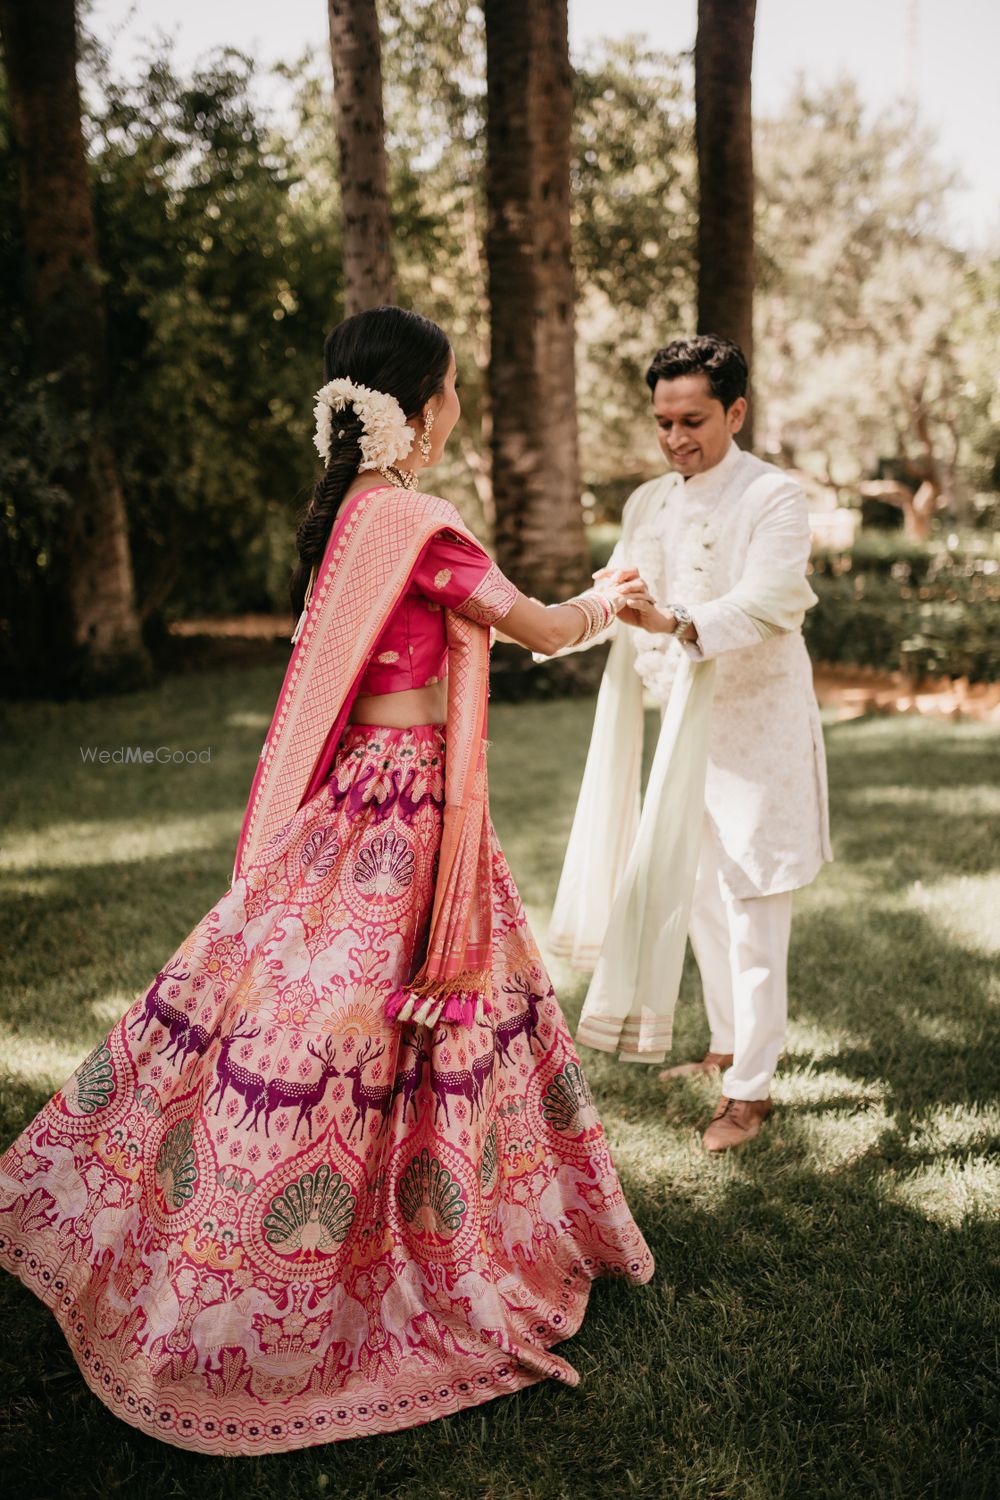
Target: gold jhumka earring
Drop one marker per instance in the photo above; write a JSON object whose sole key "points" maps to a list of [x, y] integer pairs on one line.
{"points": [[425, 436]]}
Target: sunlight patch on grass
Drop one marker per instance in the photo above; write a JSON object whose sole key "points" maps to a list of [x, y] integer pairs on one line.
{"points": [[110, 1009], [77, 845], [838, 886], [44, 1064], [34, 887], [942, 802], [665, 1160], [830, 1141], [938, 1028], [965, 909], [654, 1158], [955, 1127], [243, 720], [815, 1040], [804, 1087], [949, 1191]]}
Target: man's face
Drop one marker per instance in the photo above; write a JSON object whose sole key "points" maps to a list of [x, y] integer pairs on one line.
{"points": [[693, 428]]}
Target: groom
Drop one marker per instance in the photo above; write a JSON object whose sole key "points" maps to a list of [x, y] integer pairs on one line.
{"points": [[721, 527]]}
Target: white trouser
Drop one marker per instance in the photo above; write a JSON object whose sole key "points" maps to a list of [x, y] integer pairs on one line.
{"points": [[741, 945]]}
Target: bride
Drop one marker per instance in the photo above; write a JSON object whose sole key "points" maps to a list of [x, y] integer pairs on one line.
{"points": [[338, 1170]]}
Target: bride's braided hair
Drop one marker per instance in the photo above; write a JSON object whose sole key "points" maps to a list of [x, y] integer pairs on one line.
{"points": [[387, 349]]}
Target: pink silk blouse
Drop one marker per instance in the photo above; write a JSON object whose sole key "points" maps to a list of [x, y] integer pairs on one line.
{"points": [[453, 573]]}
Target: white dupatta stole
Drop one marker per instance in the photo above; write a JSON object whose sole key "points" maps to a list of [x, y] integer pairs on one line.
{"points": [[624, 898]]}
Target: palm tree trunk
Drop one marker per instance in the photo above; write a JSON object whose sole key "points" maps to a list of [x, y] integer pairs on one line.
{"points": [[103, 644], [540, 540], [356, 54], [722, 59]]}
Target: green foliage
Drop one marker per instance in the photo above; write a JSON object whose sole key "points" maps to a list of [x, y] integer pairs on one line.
{"points": [[434, 79], [33, 512], [632, 178], [976, 329], [35, 434], [634, 217], [872, 329], [926, 610], [226, 282], [219, 231], [222, 275]]}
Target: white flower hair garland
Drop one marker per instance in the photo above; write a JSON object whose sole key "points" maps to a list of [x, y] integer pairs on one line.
{"points": [[385, 438]]}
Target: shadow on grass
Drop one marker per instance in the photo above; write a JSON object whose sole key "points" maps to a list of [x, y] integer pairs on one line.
{"points": [[917, 753], [909, 840], [891, 977], [109, 926]]}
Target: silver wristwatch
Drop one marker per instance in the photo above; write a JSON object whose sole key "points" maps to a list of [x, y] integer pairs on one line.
{"points": [[682, 616]]}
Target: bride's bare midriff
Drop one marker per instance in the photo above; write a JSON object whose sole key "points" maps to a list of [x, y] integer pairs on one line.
{"points": [[424, 705]]}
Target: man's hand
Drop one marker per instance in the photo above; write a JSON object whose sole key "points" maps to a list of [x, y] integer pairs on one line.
{"points": [[640, 609]]}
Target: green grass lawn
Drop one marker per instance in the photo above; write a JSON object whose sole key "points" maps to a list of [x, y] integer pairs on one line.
{"points": [[823, 1317]]}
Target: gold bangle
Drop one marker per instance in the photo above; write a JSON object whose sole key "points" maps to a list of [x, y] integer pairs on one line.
{"points": [[597, 611]]}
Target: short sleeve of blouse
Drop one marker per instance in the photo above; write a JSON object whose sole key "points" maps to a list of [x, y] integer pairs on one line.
{"points": [[458, 574]]}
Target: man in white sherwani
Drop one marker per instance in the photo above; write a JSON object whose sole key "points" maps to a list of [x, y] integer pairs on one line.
{"points": [[707, 539]]}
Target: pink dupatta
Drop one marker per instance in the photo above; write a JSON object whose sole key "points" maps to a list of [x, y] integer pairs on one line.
{"points": [[374, 546]]}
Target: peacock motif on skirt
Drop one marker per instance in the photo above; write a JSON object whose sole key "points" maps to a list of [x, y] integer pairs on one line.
{"points": [[429, 1197], [565, 1097], [93, 1083], [176, 1165], [319, 853], [385, 866], [313, 1213]]}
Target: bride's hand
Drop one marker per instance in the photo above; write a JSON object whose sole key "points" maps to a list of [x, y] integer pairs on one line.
{"points": [[625, 584]]}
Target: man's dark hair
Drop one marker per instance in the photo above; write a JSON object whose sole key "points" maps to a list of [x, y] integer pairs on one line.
{"points": [[720, 360]]}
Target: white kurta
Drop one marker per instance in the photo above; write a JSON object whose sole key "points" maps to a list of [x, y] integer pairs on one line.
{"points": [[766, 785]]}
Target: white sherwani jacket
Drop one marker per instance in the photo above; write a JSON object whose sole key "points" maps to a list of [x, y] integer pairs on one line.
{"points": [[766, 786]]}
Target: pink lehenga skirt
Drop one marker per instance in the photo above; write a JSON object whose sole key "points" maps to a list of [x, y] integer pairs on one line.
{"points": [[266, 1218]]}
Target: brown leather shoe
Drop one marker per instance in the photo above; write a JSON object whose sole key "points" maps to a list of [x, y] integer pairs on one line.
{"points": [[712, 1062], [735, 1121]]}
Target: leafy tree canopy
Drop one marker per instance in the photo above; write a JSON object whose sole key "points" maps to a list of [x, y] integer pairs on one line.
{"points": [[218, 227]]}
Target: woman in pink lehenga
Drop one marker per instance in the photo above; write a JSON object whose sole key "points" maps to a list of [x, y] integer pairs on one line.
{"points": [[338, 1171]]}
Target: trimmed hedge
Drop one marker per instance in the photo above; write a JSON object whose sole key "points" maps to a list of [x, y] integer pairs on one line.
{"points": [[927, 610]]}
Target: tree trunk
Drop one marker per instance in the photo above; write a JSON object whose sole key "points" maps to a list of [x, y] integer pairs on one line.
{"points": [[356, 54], [540, 540], [919, 506], [102, 640], [722, 59]]}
